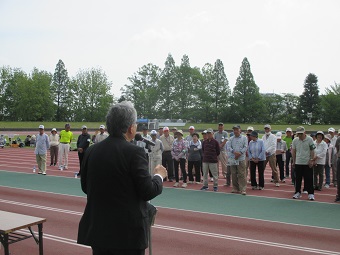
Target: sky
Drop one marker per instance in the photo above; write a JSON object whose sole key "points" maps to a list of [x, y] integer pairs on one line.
{"points": [[284, 40]]}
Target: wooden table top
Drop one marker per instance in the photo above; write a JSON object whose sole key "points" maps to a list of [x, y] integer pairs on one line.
{"points": [[10, 222]]}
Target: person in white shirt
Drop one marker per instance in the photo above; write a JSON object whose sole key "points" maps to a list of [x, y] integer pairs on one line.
{"points": [[102, 134], [54, 146], [270, 141], [155, 154], [319, 160], [331, 131]]}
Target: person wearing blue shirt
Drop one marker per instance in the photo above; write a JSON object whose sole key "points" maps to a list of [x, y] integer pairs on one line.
{"points": [[257, 157]]}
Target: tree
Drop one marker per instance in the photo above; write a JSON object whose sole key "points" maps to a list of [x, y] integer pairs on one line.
{"points": [[246, 98], [219, 90], [330, 103], [167, 84], [310, 99], [143, 90], [273, 108], [291, 103], [92, 95], [6, 74], [61, 91]]}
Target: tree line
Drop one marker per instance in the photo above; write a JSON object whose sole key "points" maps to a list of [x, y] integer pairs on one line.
{"points": [[174, 91], [203, 95]]}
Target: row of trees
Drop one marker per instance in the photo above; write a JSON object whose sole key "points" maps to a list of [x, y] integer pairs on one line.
{"points": [[41, 96], [204, 95], [192, 93]]}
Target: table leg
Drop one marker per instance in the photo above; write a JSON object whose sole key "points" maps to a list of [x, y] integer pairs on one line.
{"points": [[41, 251], [5, 244]]}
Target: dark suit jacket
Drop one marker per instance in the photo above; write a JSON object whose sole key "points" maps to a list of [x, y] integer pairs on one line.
{"points": [[118, 185]]}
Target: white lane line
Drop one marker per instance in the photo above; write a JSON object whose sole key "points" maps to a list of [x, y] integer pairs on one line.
{"points": [[184, 210], [206, 234], [247, 240]]}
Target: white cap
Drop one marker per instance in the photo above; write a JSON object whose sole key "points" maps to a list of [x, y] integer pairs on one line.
{"points": [[101, 127], [54, 129], [153, 132], [41, 127], [267, 126], [84, 127], [278, 135], [165, 129], [331, 130], [191, 127], [289, 130], [250, 128]]}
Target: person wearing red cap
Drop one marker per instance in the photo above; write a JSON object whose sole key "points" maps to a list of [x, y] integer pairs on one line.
{"points": [[191, 131]]}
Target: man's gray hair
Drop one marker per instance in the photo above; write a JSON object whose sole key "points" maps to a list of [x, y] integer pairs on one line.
{"points": [[120, 117]]}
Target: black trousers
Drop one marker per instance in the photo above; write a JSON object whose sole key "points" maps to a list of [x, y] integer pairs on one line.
{"points": [[280, 163], [168, 163], [180, 163], [288, 156], [100, 251], [197, 165], [260, 167], [80, 156], [307, 173]]}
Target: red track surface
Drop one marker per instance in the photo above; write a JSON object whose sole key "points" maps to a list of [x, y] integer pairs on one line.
{"points": [[175, 232]]}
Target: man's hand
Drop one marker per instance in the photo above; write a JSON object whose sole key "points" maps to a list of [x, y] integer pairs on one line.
{"points": [[237, 154], [80, 150], [161, 170]]}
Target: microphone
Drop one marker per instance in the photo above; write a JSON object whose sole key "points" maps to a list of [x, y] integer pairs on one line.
{"points": [[138, 137]]}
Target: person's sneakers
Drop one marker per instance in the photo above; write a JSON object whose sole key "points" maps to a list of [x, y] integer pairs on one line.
{"points": [[198, 182], [215, 189], [171, 180], [54, 164], [254, 187], [311, 197], [283, 181], [297, 195], [44, 173], [277, 184], [204, 188], [305, 192], [337, 199], [51, 164], [244, 193], [234, 191], [184, 185], [190, 182], [65, 167], [272, 180], [39, 172], [211, 179], [261, 188], [326, 186], [176, 184]]}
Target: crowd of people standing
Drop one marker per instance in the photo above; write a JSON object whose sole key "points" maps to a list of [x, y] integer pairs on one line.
{"points": [[296, 156]]}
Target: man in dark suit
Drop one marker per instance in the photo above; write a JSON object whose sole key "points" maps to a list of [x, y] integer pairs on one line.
{"points": [[118, 185]]}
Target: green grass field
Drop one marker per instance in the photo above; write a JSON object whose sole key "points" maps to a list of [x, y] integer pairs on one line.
{"points": [[200, 126]]}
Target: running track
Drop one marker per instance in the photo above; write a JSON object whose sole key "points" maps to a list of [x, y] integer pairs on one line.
{"points": [[189, 221]]}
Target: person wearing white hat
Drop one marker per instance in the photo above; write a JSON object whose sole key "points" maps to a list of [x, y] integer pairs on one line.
{"points": [[334, 138], [221, 136], [289, 139], [319, 160], [83, 142], [167, 160], [41, 146], [191, 131], [54, 146], [303, 154], [155, 153], [269, 140], [281, 148], [102, 134]]}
